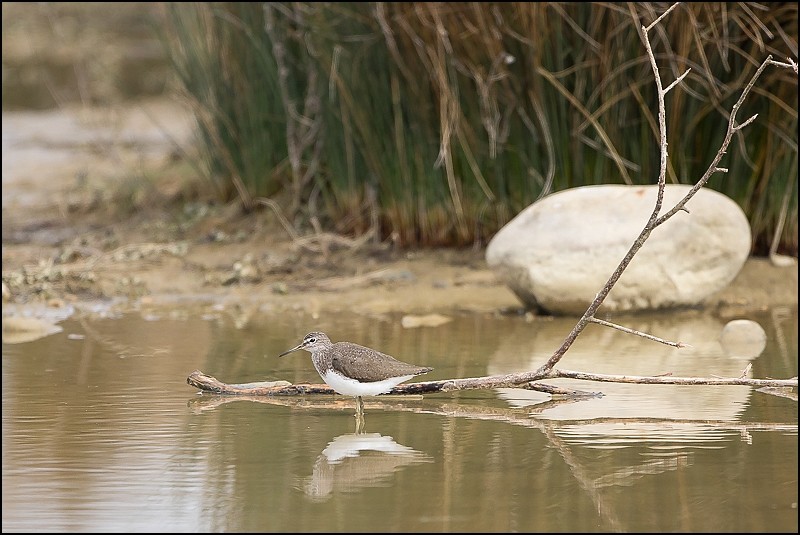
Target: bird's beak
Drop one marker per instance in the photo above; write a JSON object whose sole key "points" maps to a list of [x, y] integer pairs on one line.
{"points": [[300, 346]]}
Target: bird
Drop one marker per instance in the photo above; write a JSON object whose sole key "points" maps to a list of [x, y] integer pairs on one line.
{"points": [[354, 370]]}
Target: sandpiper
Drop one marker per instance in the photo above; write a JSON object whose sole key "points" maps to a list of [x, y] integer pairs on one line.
{"points": [[354, 370]]}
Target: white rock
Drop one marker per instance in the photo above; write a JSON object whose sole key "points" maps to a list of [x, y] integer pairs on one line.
{"points": [[559, 252], [743, 338]]}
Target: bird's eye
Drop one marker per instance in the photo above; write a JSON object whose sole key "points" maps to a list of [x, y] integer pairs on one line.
{"points": [[312, 340]]}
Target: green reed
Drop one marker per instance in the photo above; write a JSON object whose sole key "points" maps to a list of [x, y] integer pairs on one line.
{"points": [[435, 123]]}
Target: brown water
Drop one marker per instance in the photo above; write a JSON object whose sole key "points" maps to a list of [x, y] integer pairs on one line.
{"points": [[102, 433]]}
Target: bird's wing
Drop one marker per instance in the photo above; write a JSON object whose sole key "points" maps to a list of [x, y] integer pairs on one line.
{"points": [[368, 365]]}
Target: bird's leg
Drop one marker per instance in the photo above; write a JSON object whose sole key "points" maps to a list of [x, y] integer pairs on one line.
{"points": [[359, 424], [359, 415]]}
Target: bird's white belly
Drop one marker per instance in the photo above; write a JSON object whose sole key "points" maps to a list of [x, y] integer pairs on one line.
{"points": [[351, 387]]}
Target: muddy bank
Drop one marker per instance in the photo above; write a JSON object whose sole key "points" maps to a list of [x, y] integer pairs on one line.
{"points": [[89, 261]]}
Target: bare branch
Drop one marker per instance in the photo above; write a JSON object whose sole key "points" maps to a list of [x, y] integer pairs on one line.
{"points": [[207, 383], [664, 14], [670, 380], [712, 168], [677, 81], [638, 333], [290, 230], [791, 65], [643, 235], [748, 121], [747, 370]]}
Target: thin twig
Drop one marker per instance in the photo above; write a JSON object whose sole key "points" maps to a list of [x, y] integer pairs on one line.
{"points": [[732, 128], [679, 345], [664, 14], [677, 81], [276, 209]]}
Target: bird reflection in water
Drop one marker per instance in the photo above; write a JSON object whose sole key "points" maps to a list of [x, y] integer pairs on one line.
{"points": [[356, 461]]}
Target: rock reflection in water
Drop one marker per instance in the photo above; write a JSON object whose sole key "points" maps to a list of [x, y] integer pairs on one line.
{"points": [[627, 413]]}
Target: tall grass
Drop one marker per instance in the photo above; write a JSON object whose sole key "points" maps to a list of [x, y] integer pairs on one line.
{"points": [[435, 123]]}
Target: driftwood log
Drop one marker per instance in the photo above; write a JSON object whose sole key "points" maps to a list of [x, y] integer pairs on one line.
{"points": [[207, 383]]}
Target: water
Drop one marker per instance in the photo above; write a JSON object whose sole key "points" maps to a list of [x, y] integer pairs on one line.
{"points": [[102, 433]]}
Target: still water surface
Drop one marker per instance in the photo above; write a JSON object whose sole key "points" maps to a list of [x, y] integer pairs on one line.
{"points": [[102, 433]]}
